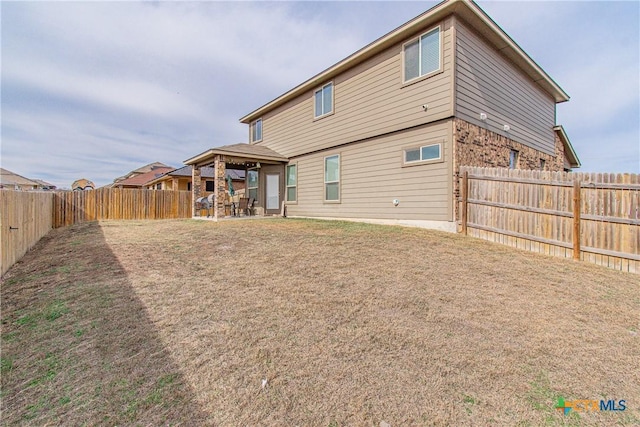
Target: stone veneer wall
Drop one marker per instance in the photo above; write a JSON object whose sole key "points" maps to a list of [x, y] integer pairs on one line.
{"points": [[476, 146]]}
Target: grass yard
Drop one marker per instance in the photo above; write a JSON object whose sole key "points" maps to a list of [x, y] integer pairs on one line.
{"points": [[180, 323]]}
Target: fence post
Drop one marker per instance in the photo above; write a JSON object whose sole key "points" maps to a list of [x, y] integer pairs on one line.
{"points": [[576, 219], [465, 196]]}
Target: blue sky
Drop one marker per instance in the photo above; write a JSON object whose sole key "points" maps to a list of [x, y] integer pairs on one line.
{"points": [[96, 89]]}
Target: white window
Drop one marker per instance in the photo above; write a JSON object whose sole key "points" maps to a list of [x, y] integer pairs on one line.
{"points": [[332, 178], [514, 155], [422, 55], [252, 184], [431, 152], [292, 183], [256, 131], [324, 100]]}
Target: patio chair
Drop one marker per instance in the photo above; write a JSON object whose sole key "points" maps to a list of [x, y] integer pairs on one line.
{"points": [[250, 206], [242, 206]]}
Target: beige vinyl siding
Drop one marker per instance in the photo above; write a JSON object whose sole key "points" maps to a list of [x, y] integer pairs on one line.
{"points": [[489, 83], [369, 99], [372, 175]]}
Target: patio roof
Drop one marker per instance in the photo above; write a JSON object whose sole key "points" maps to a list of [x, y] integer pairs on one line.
{"points": [[237, 152]]}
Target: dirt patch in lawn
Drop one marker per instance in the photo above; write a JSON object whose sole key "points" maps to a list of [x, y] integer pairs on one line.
{"points": [[172, 322]]}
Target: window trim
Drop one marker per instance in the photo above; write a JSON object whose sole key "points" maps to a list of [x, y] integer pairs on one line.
{"points": [[287, 186], [325, 182], [333, 97], [252, 127], [257, 187], [431, 143], [440, 68]]}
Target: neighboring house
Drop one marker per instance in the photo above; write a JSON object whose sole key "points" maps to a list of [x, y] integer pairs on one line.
{"points": [[180, 179], [139, 171], [12, 181], [141, 179], [82, 184], [45, 185], [381, 134]]}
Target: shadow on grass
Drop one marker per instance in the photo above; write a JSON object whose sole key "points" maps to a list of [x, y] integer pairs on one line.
{"points": [[77, 345]]}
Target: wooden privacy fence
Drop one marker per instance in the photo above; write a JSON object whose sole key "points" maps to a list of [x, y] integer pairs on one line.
{"points": [[71, 207], [24, 218], [594, 217]]}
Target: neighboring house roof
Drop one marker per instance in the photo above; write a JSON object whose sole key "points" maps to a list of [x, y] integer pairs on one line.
{"points": [[569, 152], [467, 10], [254, 152], [44, 184], [139, 171], [82, 184], [142, 179], [149, 167], [205, 172], [11, 178]]}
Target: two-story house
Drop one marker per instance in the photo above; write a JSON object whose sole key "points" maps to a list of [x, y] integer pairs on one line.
{"points": [[381, 134]]}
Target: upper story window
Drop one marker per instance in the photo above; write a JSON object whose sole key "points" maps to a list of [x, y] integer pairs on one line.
{"points": [[256, 131], [422, 55], [324, 100]]}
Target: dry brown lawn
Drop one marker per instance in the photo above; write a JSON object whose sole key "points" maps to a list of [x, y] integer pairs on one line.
{"points": [[179, 323]]}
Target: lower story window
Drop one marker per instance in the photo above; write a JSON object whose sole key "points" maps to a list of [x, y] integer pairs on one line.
{"points": [[332, 178], [252, 184], [514, 155], [209, 186], [292, 183]]}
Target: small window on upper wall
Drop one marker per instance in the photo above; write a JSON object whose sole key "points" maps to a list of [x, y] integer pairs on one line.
{"points": [[543, 162], [422, 55], [514, 156], [426, 153], [323, 100], [256, 131], [209, 186]]}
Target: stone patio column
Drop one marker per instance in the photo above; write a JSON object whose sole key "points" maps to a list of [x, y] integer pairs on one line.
{"points": [[175, 184], [220, 169], [195, 188]]}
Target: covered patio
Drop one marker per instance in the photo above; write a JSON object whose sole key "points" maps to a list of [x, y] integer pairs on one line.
{"points": [[264, 176]]}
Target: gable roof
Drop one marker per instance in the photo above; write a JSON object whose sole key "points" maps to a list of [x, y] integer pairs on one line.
{"points": [[205, 172], [569, 152], [11, 178], [251, 151], [469, 11], [139, 171], [44, 184], [140, 180], [82, 184]]}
